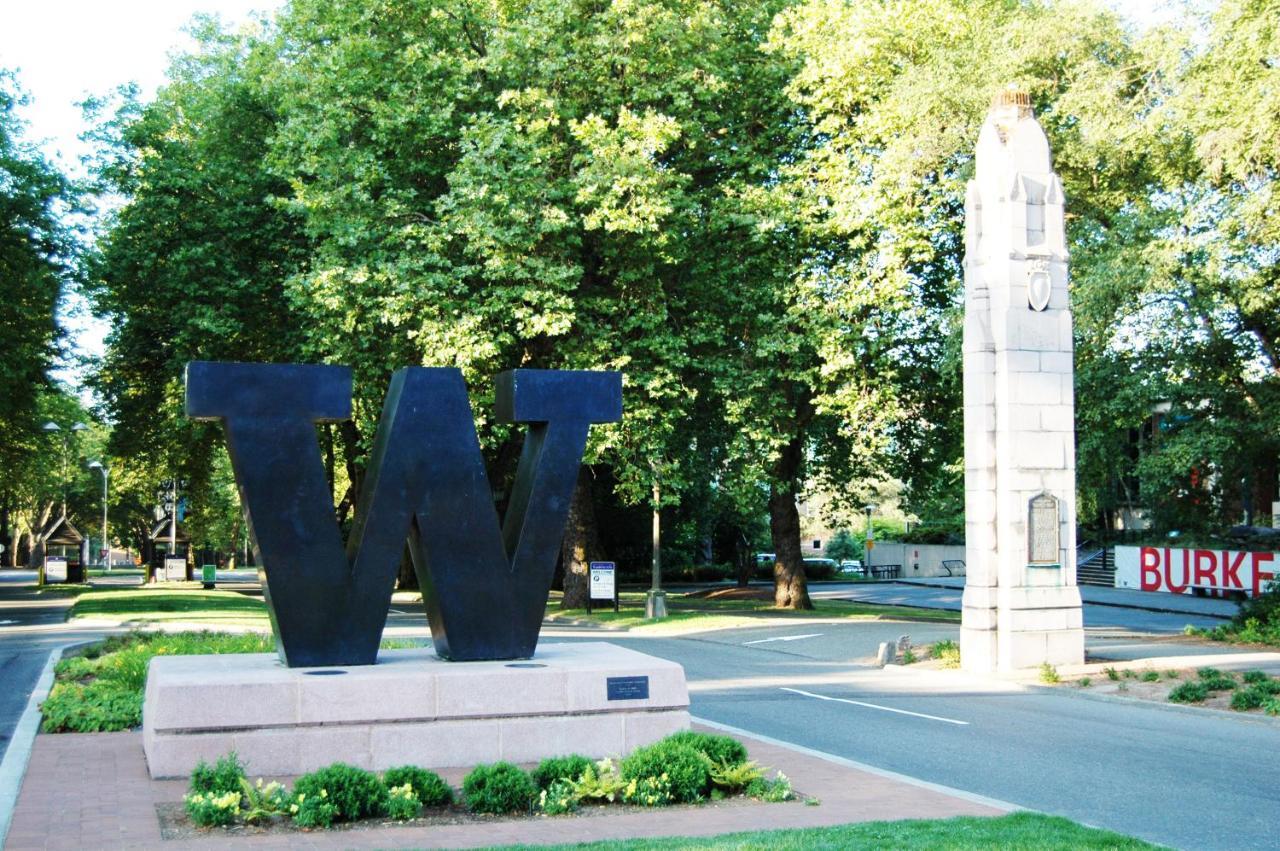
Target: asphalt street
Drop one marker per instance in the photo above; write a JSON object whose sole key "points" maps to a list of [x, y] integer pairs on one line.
{"points": [[31, 626], [1189, 781], [943, 597]]}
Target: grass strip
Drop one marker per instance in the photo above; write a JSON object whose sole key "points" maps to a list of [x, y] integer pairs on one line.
{"points": [[100, 689], [693, 614], [148, 604], [1015, 831]]}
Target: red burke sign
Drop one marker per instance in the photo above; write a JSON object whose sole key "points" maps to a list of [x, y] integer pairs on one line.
{"points": [[1181, 571]]}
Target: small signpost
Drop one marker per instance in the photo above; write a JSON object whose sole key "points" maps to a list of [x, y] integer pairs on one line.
{"points": [[603, 585], [175, 568], [55, 569]]}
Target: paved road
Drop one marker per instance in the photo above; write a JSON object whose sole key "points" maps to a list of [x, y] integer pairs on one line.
{"points": [[943, 597], [31, 626], [1182, 780]]}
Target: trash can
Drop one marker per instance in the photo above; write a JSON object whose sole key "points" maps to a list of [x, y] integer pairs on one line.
{"points": [[208, 574]]}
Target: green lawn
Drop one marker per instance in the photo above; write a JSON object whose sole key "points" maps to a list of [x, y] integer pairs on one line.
{"points": [[155, 604], [100, 688], [1016, 831], [693, 614]]}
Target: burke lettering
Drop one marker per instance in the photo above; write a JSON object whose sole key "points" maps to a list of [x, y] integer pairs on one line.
{"points": [[484, 587]]}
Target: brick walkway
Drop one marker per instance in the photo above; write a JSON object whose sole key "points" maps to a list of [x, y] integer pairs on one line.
{"points": [[92, 791]]}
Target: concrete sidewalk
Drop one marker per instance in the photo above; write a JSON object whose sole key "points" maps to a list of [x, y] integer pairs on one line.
{"points": [[93, 791], [1126, 598]]}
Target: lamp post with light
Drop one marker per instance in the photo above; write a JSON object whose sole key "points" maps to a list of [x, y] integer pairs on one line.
{"points": [[106, 547], [870, 541], [53, 428]]}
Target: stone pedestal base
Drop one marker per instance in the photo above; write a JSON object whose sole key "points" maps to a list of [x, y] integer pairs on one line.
{"points": [[594, 698], [1012, 629], [1038, 625]]}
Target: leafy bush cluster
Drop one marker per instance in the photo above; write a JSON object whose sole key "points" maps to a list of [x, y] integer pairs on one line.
{"points": [[219, 794], [100, 690], [682, 768], [947, 652]]}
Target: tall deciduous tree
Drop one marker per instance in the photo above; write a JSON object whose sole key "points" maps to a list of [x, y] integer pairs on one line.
{"points": [[35, 263]]}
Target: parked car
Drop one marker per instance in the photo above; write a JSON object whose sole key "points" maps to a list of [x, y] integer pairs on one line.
{"points": [[853, 566]]}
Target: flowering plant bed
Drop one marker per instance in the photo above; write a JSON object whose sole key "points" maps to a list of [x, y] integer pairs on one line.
{"points": [[686, 768]]}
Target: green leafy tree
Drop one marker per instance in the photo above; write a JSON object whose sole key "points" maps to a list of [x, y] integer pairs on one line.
{"points": [[36, 262]]}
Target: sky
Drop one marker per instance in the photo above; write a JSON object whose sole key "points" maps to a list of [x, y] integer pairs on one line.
{"points": [[64, 50]]}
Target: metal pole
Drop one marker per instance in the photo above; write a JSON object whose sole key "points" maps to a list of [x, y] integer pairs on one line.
{"points": [[106, 546], [173, 520], [656, 604]]}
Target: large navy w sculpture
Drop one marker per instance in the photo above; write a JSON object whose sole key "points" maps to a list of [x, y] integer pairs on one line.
{"points": [[484, 588]]}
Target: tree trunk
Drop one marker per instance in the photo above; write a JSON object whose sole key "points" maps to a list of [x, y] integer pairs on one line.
{"points": [[790, 590], [407, 577], [743, 559], [581, 543], [6, 538]]}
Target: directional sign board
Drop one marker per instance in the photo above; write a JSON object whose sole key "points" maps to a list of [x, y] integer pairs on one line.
{"points": [[175, 568], [55, 569], [603, 584]]}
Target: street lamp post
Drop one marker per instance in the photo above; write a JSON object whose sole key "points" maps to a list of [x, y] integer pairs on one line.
{"points": [[870, 540], [106, 546], [51, 427]]}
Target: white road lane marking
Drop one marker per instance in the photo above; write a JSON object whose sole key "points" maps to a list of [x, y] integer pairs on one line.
{"points": [[784, 638], [877, 706]]}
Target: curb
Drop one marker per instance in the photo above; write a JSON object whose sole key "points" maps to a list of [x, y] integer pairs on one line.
{"points": [[971, 797], [1067, 691], [1178, 708], [14, 767]]}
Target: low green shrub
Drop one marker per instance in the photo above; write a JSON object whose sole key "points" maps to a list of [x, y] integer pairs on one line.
{"points": [[1172, 675], [402, 802], [499, 787], [736, 777], [772, 791], [1048, 674], [429, 787], [649, 791], [1084, 682], [1189, 692], [100, 706], [1271, 706], [599, 781], [1221, 682], [263, 801], [558, 798], [208, 809], [223, 777], [1150, 676], [1112, 673], [1255, 676], [559, 768], [722, 750], [1248, 698], [685, 767], [353, 792], [947, 652], [312, 811]]}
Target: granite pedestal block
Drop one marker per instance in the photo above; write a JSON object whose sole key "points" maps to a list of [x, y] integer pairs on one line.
{"points": [[591, 698]]}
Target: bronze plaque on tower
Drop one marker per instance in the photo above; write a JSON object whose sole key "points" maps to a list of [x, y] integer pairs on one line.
{"points": [[1043, 531]]}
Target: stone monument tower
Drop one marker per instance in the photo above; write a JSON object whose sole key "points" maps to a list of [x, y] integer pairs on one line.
{"points": [[1021, 604]]}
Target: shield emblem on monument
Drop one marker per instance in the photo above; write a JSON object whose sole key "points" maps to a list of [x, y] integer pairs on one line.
{"points": [[1038, 288]]}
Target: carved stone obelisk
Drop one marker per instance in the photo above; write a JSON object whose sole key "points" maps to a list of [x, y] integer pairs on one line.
{"points": [[1021, 604]]}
